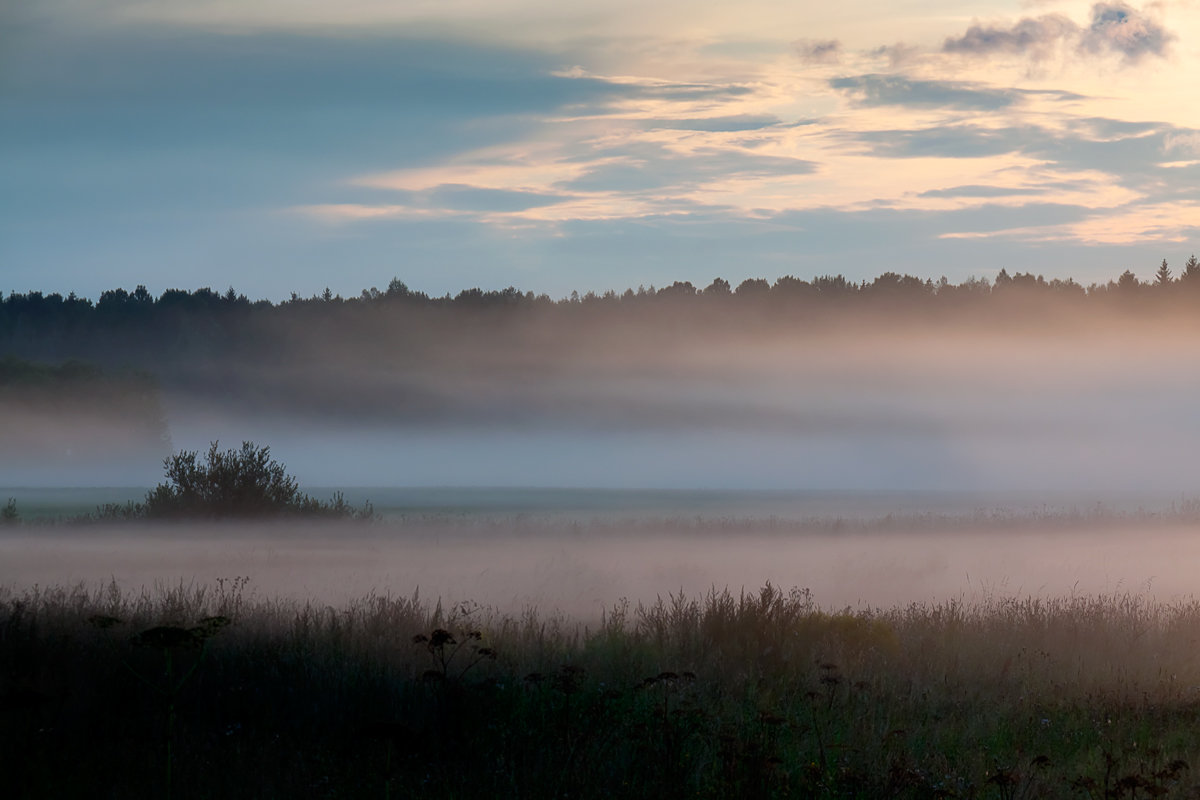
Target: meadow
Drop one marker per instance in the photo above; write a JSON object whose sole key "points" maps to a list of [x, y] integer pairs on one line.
{"points": [[230, 687]]}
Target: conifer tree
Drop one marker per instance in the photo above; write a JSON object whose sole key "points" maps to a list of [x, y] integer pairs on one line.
{"points": [[1163, 276]]}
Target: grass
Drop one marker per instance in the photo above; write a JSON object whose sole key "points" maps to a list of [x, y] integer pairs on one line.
{"points": [[755, 695]]}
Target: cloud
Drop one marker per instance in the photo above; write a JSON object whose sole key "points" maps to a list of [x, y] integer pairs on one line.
{"points": [[950, 141], [898, 54], [730, 124], [1138, 223], [818, 51], [897, 90], [1113, 28], [1184, 142], [1036, 36], [675, 91], [472, 198], [1119, 28], [977, 190]]}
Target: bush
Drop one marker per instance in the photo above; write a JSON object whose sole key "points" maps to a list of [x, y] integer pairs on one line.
{"points": [[243, 483]]}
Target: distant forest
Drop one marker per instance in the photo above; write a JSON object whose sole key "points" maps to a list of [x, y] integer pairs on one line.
{"points": [[512, 357], [136, 328]]}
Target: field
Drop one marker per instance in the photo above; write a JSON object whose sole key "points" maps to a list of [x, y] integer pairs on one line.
{"points": [[226, 686], [756, 695]]}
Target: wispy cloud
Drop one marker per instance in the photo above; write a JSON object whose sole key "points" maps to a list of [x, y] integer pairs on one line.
{"points": [[980, 190], [1141, 223], [898, 55], [818, 51], [900, 90], [1035, 36], [888, 90], [1187, 142], [1114, 27]]}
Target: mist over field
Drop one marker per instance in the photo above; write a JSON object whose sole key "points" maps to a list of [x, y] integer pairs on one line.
{"points": [[582, 569], [738, 400], [876, 413], [846, 408]]}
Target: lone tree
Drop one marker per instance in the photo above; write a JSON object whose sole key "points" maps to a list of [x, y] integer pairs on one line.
{"points": [[233, 483]]}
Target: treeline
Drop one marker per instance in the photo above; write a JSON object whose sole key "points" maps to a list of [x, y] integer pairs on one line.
{"points": [[329, 351], [51, 317]]}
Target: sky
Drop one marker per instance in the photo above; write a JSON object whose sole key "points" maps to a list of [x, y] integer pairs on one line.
{"points": [[282, 146]]}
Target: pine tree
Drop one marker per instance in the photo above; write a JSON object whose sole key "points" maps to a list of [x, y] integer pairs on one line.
{"points": [[1191, 271], [1163, 276]]}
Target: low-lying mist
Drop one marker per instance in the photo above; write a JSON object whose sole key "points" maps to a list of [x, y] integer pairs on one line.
{"points": [[712, 396], [582, 568], [830, 409]]}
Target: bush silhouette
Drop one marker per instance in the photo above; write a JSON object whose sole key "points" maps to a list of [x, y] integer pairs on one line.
{"points": [[233, 483]]}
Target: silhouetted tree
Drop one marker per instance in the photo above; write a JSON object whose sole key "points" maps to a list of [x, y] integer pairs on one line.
{"points": [[678, 289], [834, 285], [753, 287], [1128, 283], [1191, 273], [893, 284], [1163, 276], [232, 483], [718, 288], [789, 287]]}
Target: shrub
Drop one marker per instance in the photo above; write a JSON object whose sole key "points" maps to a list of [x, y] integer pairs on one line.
{"points": [[234, 483]]}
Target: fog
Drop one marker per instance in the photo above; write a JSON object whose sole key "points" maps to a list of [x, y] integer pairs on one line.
{"points": [[1105, 405], [582, 569], [844, 407], [1001, 416]]}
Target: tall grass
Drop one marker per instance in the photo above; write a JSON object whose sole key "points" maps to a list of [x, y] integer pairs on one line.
{"points": [[762, 694]]}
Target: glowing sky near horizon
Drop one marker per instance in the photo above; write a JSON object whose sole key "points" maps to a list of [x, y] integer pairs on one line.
{"points": [[287, 146]]}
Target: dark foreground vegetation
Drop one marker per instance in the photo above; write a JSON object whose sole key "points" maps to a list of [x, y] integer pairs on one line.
{"points": [[210, 692]]}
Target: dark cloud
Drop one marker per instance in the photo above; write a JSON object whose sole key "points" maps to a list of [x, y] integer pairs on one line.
{"points": [[684, 91], [897, 90], [818, 51], [1119, 28], [1035, 36], [1114, 28], [976, 190], [354, 102], [740, 122]]}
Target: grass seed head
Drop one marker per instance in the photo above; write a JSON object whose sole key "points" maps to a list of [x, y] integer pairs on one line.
{"points": [[166, 637]]}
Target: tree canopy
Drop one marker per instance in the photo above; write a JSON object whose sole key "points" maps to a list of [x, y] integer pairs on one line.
{"points": [[233, 483]]}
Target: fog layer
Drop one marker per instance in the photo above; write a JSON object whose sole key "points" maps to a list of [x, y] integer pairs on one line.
{"points": [[702, 393], [824, 409], [581, 570]]}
